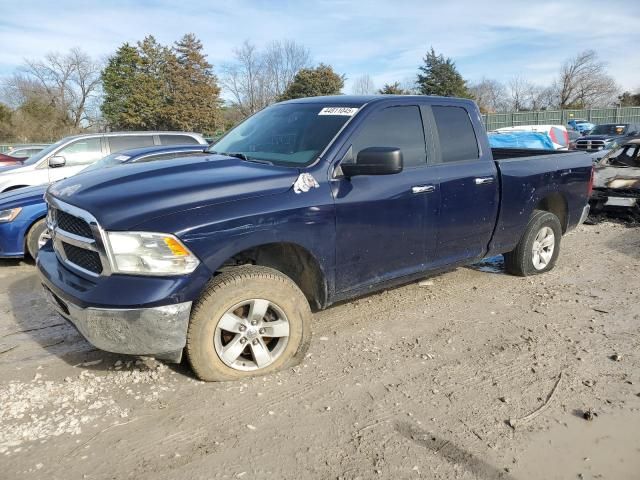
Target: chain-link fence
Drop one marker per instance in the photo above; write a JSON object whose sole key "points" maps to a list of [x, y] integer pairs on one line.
{"points": [[561, 117]]}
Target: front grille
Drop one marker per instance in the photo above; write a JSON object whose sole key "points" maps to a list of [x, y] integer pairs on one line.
{"points": [[590, 144], [72, 224], [86, 259]]}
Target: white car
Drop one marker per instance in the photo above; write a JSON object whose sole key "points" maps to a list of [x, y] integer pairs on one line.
{"points": [[557, 133], [72, 154]]}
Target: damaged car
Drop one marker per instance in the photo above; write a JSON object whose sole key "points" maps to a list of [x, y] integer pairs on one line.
{"points": [[617, 179]]}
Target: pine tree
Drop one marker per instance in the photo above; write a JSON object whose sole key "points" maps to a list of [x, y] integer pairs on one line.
{"points": [[119, 84], [393, 89], [440, 77], [313, 82], [194, 102]]}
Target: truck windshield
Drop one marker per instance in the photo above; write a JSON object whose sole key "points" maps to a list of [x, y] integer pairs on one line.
{"points": [[291, 134], [609, 129]]}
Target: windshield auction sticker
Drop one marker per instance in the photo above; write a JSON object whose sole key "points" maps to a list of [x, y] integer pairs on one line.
{"points": [[346, 111]]}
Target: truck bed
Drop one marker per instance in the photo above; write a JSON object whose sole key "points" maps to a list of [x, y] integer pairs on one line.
{"points": [[529, 176]]}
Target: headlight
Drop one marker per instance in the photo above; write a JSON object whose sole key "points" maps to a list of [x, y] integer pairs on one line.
{"points": [[146, 253], [9, 215]]}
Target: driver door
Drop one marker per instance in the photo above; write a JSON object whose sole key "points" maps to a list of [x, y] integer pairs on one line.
{"points": [[385, 223]]}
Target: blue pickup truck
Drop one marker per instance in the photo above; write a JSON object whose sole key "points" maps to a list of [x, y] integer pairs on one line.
{"points": [[306, 203]]}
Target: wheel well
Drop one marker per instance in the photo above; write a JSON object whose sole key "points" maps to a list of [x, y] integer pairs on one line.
{"points": [[556, 204], [294, 261]]}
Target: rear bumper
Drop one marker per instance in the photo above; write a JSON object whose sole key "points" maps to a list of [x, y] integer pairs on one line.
{"points": [[585, 214]]}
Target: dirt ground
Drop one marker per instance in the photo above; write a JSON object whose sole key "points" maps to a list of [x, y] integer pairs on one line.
{"points": [[421, 381]]}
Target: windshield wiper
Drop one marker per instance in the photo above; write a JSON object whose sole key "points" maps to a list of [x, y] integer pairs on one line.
{"points": [[244, 157]]}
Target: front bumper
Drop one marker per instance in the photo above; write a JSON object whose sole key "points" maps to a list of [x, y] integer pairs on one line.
{"points": [[134, 315], [585, 214], [156, 331]]}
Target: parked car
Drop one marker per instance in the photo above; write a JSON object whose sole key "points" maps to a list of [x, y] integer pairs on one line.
{"points": [[557, 133], [306, 203], [17, 155], [617, 179], [580, 125], [22, 212], [26, 151], [72, 154], [607, 136]]}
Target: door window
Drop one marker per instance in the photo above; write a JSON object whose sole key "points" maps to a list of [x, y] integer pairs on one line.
{"points": [[457, 139], [177, 140], [397, 127], [127, 142], [82, 152]]}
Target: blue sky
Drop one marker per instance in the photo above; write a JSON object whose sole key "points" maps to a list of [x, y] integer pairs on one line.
{"points": [[385, 39]]}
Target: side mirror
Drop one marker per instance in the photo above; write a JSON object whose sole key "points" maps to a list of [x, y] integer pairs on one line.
{"points": [[375, 161], [57, 161]]}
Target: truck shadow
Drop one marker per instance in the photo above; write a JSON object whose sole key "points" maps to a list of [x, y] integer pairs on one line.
{"points": [[450, 452]]}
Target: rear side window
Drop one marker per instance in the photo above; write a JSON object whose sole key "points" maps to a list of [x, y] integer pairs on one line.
{"points": [[457, 139], [127, 142], [399, 127], [177, 140]]}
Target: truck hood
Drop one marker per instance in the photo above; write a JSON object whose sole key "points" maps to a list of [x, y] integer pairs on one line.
{"points": [[124, 196], [22, 197]]}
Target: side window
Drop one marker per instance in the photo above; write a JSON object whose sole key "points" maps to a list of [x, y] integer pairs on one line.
{"points": [[399, 127], [127, 142], [455, 131], [177, 140], [82, 152]]}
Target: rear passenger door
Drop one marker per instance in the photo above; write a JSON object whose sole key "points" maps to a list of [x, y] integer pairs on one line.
{"points": [[468, 185], [384, 223]]}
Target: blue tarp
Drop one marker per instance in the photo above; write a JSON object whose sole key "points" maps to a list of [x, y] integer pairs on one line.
{"points": [[521, 140]]}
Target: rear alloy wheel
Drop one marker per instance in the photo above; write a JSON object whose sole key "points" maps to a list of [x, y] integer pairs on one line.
{"points": [[539, 247], [249, 321]]}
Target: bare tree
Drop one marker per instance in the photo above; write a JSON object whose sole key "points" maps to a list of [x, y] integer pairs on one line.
{"points": [[490, 95], [256, 79], [70, 81], [519, 93], [363, 85], [540, 98], [583, 82], [282, 60]]}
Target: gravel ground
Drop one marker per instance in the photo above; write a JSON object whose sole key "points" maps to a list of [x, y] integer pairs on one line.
{"points": [[423, 381]]}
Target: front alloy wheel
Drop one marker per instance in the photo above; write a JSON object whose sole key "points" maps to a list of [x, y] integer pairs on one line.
{"points": [[249, 321], [251, 335]]}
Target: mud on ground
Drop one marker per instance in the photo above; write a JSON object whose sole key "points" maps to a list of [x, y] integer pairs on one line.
{"points": [[415, 382]]}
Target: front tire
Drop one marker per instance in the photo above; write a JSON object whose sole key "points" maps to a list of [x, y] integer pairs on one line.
{"points": [[36, 237], [539, 247], [249, 321]]}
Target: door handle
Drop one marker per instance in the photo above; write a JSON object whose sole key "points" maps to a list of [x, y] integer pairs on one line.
{"points": [[423, 189], [483, 180]]}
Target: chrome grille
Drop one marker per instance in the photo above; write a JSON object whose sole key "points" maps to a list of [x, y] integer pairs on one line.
{"points": [[590, 145], [77, 238]]}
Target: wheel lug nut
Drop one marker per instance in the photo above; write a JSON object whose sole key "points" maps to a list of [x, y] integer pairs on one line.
{"points": [[243, 340], [255, 342], [254, 322], [243, 328], [261, 331]]}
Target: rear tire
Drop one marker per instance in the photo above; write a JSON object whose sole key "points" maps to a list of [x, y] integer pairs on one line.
{"points": [[261, 312], [35, 237], [539, 247]]}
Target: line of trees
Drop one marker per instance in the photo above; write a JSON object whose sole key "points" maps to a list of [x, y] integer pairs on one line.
{"points": [[148, 86]]}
